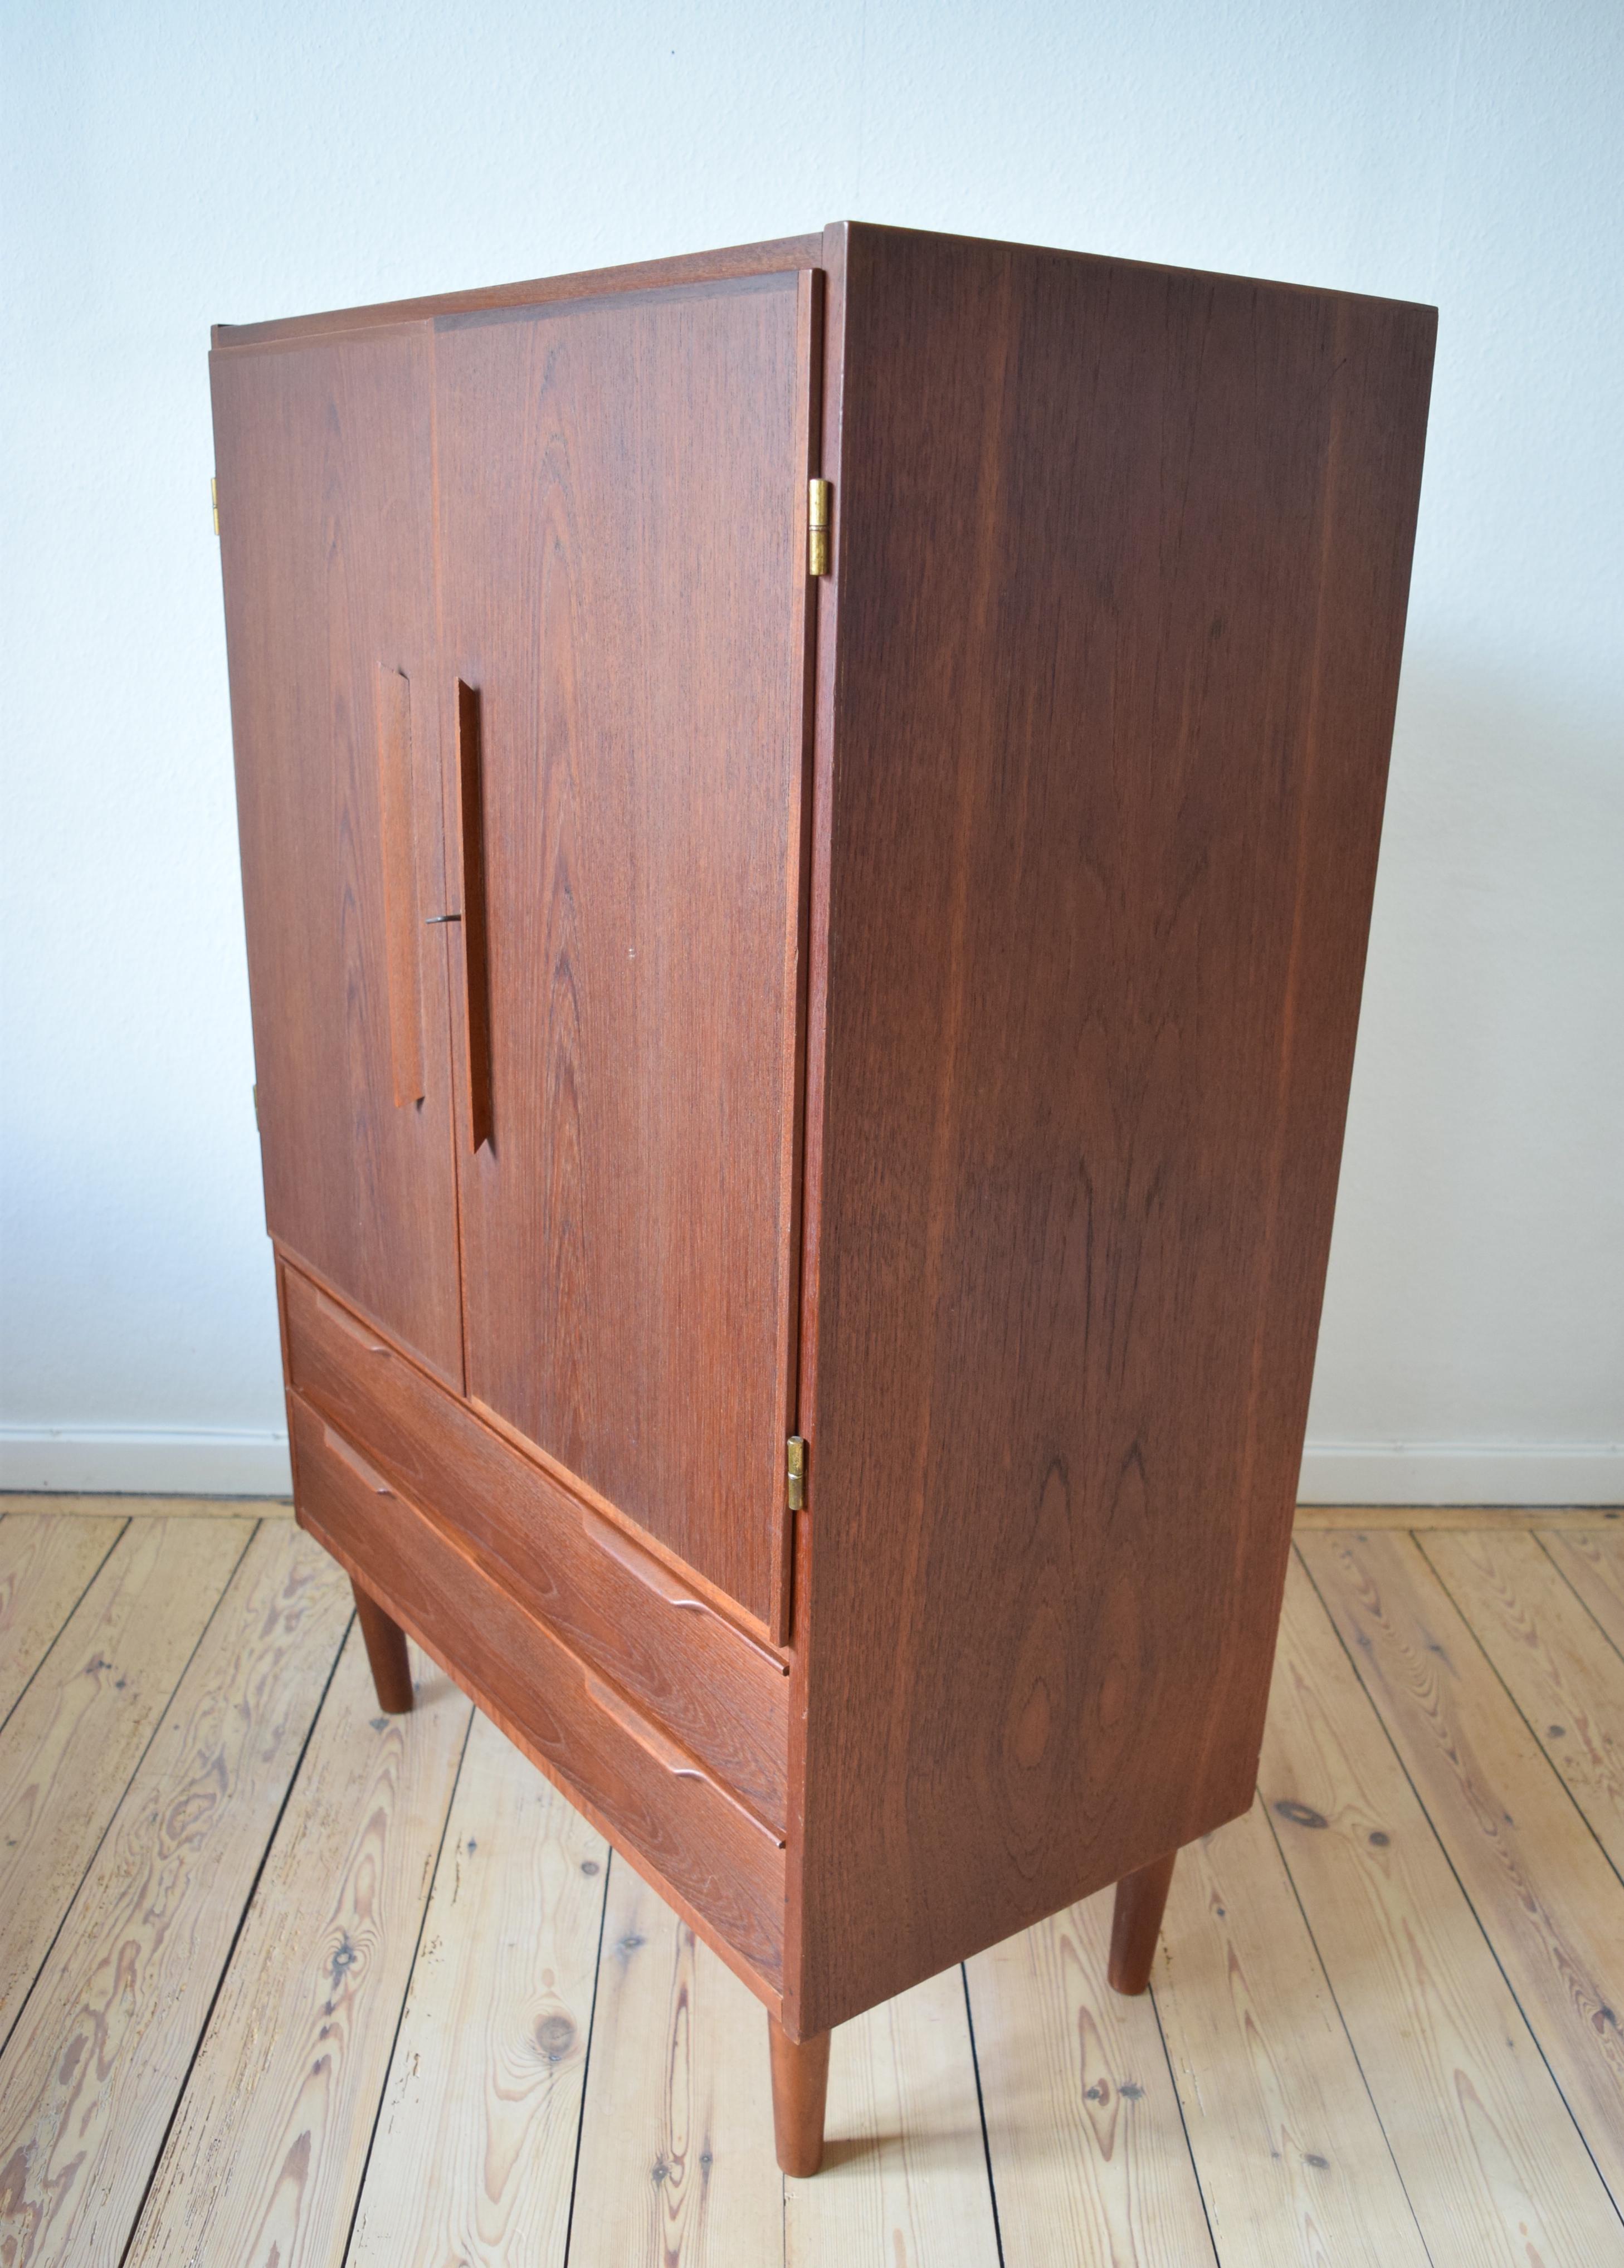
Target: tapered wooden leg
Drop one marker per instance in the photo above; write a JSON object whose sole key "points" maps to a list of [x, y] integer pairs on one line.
{"points": [[385, 1650], [800, 2085], [1138, 1917]]}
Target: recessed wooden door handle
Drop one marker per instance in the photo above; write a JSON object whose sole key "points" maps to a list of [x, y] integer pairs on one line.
{"points": [[475, 941], [394, 783]]}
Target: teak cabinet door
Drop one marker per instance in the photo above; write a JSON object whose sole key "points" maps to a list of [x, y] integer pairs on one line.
{"points": [[323, 458], [621, 490]]}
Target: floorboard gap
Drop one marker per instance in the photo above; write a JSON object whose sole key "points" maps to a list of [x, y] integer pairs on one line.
{"points": [[1184, 2123], [586, 2060], [231, 1954], [1494, 1950], [1493, 1667], [1353, 2048], [980, 2109], [119, 1532], [400, 2017], [160, 1719], [1596, 1620]]}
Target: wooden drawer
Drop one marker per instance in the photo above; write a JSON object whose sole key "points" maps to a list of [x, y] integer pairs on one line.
{"points": [[713, 1687], [654, 1800]]}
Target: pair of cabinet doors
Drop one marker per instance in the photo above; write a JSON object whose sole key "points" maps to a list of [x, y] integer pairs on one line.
{"points": [[518, 613]]}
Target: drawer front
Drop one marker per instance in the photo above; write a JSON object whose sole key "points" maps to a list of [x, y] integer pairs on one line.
{"points": [[657, 1802], [612, 1602]]}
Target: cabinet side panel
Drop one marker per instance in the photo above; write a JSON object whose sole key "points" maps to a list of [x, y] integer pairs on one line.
{"points": [[1123, 557]]}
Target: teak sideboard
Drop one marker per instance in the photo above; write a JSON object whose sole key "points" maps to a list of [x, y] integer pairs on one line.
{"points": [[808, 819]]}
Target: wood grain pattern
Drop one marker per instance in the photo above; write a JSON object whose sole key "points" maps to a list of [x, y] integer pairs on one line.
{"points": [[1293, 2163], [623, 1611], [491, 2058], [1084, 2130], [1120, 599], [1523, 1855], [45, 1566], [771, 257], [1560, 1669], [676, 2167], [1493, 2166], [651, 1797], [618, 503], [280, 2103], [1594, 1565], [326, 552], [95, 2064], [904, 2177], [78, 1731]]}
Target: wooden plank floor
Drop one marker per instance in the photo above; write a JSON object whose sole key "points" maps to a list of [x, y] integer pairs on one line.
{"points": [[285, 1984]]}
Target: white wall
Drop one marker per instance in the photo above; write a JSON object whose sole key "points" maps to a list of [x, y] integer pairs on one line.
{"points": [[168, 164]]}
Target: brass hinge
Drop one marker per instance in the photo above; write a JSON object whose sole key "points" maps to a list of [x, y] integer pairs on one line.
{"points": [[817, 527], [214, 499], [796, 1472]]}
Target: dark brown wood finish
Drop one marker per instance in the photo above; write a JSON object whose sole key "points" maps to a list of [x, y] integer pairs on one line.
{"points": [[913, 1007], [624, 1612], [1120, 559], [621, 487], [1135, 1924], [385, 1653], [800, 2091], [656, 1801], [326, 534]]}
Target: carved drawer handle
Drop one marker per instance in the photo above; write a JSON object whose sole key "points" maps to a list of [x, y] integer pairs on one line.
{"points": [[351, 1328], [641, 1563], [648, 1570], [340, 1447], [658, 1744]]}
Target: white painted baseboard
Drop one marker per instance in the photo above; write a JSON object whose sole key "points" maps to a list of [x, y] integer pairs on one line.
{"points": [[1462, 1472], [94, 1460], [107, 1460]]}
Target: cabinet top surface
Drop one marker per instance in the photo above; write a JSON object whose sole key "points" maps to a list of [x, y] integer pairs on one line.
{"points": [[773, 253]]}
